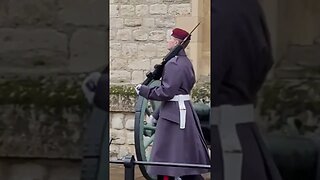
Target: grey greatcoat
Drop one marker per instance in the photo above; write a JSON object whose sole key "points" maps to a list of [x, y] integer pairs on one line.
{"points": [[172, 144], [241, 59]]}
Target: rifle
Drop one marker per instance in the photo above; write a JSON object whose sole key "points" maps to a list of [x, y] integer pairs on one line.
{"points": [[158, 68]]}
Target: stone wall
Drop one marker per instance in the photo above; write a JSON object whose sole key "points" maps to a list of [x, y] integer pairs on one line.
{"points": [[138, 33], [47, 48], [51, 36]]}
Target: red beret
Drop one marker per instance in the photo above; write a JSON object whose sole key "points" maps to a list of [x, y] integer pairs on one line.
{"points": [[180, 33]]}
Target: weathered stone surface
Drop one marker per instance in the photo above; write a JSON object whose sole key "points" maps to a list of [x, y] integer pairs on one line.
{"points": [[114, 150], [124, 151], [116, 23], [137, 77], [130, 138], [32, 12], [158, 9], [148, 50], [148, 22], [154, 1], [137, 2], [120, 76], [129, 122], [129, 50], [117, 121], [127, 10], [162, 49], [139, 64], [118, 135], [112, 34], [118, 64], [133, 22], [142, 10], [165, 22], [115, 50], [179, 9], [29, 133], [88, 50], [32, 48], [114, 10], [124, 34], [140, 35], [93, 12], [157, 35]]}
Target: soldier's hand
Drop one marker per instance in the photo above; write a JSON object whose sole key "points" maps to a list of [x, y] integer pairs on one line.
{"points": [[137, 88], [89, 86]]}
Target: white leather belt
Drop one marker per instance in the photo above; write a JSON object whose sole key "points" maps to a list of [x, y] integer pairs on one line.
{"points": [[182, 108]]}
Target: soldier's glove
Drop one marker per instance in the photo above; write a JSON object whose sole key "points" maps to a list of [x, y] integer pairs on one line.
{"points": [[137, 88], [89, 86], [152, 120]]}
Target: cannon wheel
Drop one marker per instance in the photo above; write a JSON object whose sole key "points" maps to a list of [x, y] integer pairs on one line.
{"points": [[143, 132]]}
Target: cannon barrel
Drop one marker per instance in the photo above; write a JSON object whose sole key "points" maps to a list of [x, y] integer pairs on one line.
{"points": [[297, 158]]}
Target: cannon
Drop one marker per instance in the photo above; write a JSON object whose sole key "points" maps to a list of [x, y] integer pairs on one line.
{"points": [[296, 157]]}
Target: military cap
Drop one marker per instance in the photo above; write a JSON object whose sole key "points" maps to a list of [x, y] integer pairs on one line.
{"points": [[180, 34]]}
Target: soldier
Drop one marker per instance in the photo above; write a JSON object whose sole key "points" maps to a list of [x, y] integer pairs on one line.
{"points": [[241, 59], [178, 138]]}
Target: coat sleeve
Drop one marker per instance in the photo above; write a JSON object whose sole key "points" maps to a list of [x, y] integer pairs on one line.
{"points": [[170, 84]]}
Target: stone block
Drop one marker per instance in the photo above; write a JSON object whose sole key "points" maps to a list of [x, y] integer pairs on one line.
{"points": [[88, 50], [127, 10], [118, 64], [119, 136], [130, 121], [124, 34], [28, 48], [137, 77], [142, 10], [112, 34], [116, 23], [148, 22], [148, 50], [165, 22], [32, 12], [157, 35], [115, 50], [114, 10], [83, 12], [136, 2], [27, 171], [130, 138], [162, 49], [129, 50], [158, 9], [117, 121], [133, 22], [120, 76], [179, 9], [124, 151], [114, 150], [154, 1], [139, 64], [140, 35]]}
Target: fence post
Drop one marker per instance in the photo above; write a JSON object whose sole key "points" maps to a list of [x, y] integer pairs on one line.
{"points": [[129, 167]]}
